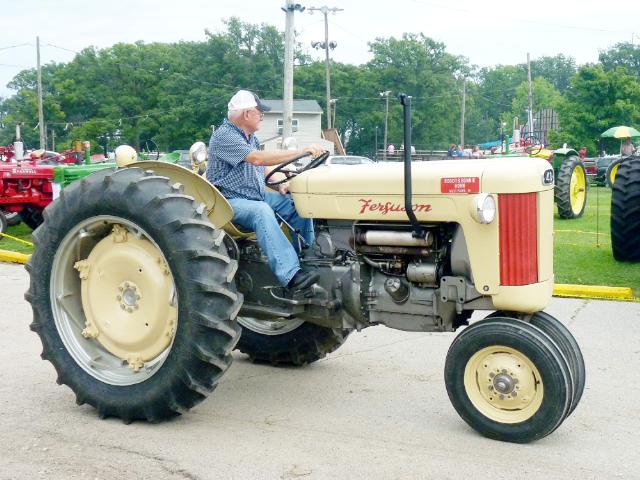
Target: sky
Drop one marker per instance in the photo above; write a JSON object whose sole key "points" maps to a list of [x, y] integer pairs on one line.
{"points": [[488, 33]]}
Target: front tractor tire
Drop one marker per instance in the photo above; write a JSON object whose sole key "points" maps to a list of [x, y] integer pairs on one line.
{"points": [[508, 380], [133, 295], [571, 188], [625, 211], [287, 342]]}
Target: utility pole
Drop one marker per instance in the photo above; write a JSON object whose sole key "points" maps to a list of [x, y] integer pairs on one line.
{"points": [[53, 140], [43, 143], [464, 101], [287, 94], [333, 110], [375, 149], [326, 45], [530, 119], [386, 121]]}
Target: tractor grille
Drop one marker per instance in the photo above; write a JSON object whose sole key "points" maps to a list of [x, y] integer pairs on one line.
{"points": [[518, 238]]}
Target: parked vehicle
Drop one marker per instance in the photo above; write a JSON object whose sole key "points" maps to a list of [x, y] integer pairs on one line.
{"points": [[625, 210], [348, 160], [570, 181], [141, 286]]}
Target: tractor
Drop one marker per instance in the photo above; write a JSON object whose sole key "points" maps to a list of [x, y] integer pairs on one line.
{"points": [[141, 286], [571, 182], [625, 209], [29, 182]]}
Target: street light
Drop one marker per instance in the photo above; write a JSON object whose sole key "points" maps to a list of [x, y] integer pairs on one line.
{"points": [[326, 45]]}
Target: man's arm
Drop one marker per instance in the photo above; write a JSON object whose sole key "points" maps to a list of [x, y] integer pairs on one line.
{"points": [[276, 157]]}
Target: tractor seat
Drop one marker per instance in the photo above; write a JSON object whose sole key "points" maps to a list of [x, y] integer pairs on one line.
{"points": [[237, 234]]}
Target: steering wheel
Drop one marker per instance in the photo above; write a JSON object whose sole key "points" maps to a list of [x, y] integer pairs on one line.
{"points": [[289, 174]]}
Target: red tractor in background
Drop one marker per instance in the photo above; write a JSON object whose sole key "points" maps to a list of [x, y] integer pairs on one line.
{"points": [[26, 185], [26, 188]]}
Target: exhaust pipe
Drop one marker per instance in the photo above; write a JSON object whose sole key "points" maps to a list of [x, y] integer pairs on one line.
{"points": [[418, 231], [393, 238], [18, 146]]}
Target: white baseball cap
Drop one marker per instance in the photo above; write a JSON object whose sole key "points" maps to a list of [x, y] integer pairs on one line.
{"points": [[245, 99]]}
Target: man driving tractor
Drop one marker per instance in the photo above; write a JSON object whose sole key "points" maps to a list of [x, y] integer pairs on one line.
{"points": [[237, 168]]}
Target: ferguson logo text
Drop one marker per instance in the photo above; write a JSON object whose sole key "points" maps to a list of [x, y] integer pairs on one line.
{"points": [[368, 205]]}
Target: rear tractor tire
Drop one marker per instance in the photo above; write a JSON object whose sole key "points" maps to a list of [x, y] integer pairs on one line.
{"points": [[32, 216], [133, 295], [508, 380], [4, 224], [571, 188], [13, 218], [625, 211], [287, 342]]}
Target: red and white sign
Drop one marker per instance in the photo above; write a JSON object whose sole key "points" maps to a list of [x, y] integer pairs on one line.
{"points": [[460, 185]]}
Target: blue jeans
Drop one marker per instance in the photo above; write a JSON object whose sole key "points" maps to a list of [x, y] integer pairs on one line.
{"points": [[259, 217]]}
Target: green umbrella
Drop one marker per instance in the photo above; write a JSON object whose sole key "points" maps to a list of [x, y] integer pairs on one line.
{"points": [[621, 132]]}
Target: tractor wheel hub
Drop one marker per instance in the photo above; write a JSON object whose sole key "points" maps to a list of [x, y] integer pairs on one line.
{"points": [[128, 298]]}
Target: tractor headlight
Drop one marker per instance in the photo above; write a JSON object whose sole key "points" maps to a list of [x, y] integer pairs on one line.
{"points": [[198, 153], [485, 208]]}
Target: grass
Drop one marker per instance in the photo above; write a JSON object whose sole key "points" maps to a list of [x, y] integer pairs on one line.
{"points": [[582, 247], [20, 231]]}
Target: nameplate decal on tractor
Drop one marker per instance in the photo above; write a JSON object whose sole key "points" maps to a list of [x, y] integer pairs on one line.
{"points": [[368, 205], [23, 171], [460, 185]]}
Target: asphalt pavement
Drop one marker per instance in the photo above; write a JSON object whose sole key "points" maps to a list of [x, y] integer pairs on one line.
{"points": [[374, 409]]}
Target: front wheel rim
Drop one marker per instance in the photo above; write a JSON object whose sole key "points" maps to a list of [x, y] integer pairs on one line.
{"points": [[613, 173], [83, 332], [503, 384], [577, 190]]}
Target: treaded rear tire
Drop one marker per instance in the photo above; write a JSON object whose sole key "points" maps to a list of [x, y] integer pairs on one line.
{"points": [[32, 217], [4, 224], [625, 211], [301, 346], [12, 218], [563, 187], [206, 331]]}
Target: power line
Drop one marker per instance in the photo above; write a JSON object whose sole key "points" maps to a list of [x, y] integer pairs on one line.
{"points": [[60, 48], [16, 46]]}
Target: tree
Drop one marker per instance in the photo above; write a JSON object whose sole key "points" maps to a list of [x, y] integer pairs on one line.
{"points": [[557, 70], [625, 55], [596, 101]]}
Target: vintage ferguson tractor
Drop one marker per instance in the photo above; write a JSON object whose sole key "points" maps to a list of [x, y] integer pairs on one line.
{"points": [[141, 287]]}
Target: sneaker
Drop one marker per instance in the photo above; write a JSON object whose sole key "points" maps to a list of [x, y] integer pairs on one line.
{"points": [[302, 280]]}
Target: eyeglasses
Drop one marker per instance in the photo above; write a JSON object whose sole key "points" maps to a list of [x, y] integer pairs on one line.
{"points": [[260, 113]]}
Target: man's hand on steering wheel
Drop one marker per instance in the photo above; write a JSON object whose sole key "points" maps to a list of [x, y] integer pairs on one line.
{"points": [[319, 157]]}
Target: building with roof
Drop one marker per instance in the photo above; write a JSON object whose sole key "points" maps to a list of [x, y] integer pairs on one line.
{"points": [[306, 125]]}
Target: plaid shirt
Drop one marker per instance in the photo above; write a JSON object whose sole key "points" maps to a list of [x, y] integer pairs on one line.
{"points": [[227, 168]]}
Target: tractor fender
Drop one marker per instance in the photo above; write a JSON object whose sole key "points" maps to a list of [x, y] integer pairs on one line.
{"points": [[218, 208], [565, 152], [559, 156]]}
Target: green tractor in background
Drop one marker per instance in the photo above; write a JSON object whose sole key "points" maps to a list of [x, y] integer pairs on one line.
{"points": [[571, 183]]}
